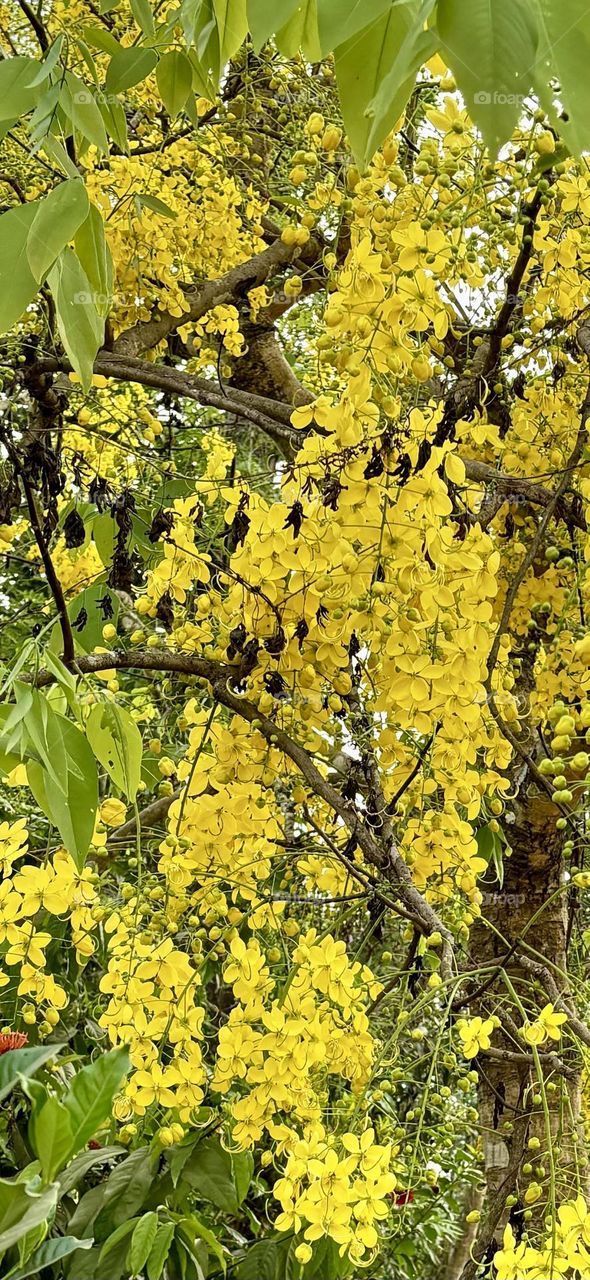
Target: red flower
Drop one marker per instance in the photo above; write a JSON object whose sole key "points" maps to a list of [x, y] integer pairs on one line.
{"points": [[93, 1145], [12, 1040], [402, 1198]]}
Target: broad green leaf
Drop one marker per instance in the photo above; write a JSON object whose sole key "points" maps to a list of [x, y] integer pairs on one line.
{"points": [[88, 618], [79, 1167], [362, 65], [174, 76], [202, 37], [80, 105], [142, 1240], [44, 730], [104, 536], [264, 17], [129, 67], [232, 25], [416, 48], [23, 1062], [127, 1187], [114, 1240], [23, 1205], [242, 1169], [94, 256], [101, 39], [144, 17], [18, 94], [265, 1260], [18, 286], [55, 223], [491, 50], [210, 1172], [116, 743], [160, 1250], [50, 1252], [50, 1132], [81, 328], [301, 32], [340, 20], [89, 1098], [72, 806], [564, 53]]}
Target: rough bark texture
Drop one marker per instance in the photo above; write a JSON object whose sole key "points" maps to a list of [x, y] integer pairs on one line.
{"points": [[526, 910]]}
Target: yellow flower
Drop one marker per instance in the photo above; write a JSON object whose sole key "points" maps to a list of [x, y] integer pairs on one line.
{"points": [[475, 1034], [547, 1024]]}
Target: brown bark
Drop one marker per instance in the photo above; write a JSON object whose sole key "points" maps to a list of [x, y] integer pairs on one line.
{"points": [[527, 912]]}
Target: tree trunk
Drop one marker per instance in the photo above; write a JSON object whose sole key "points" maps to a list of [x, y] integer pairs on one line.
{"points": [[527, 912]]}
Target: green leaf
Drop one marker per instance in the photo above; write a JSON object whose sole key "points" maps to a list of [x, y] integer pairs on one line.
{"points": [[23, 1062], [23, 1205], [264, 18], [210, 1172], [362, 65], [242, 1169], [142, 1240], [50, 1132], [265, 1260], [55, 223], [50, 60], [79, 1167], [128, 67], [86, 605], [101, 39], [71, 807], [94, 256], [80, 106], [115, 121], [174, 76], [127, 1187], [18, 94], [563, 53], [104, 536], [159, 1250], [43, 730], [340, 20], [202, 37], [81, 328], [18, 286], [89, 1098], [416, 48], [232, 25], [301, 32], [47, 1254], [112, 1243], [491, 50], [155, 204], [117, 745], [198, 1228], [142, 12]]}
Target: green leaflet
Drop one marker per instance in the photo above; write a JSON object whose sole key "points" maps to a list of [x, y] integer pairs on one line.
{"points": [[491, 50], [81, 328], [116, 743], [174, 76], [18, 286], [55, 223]]}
